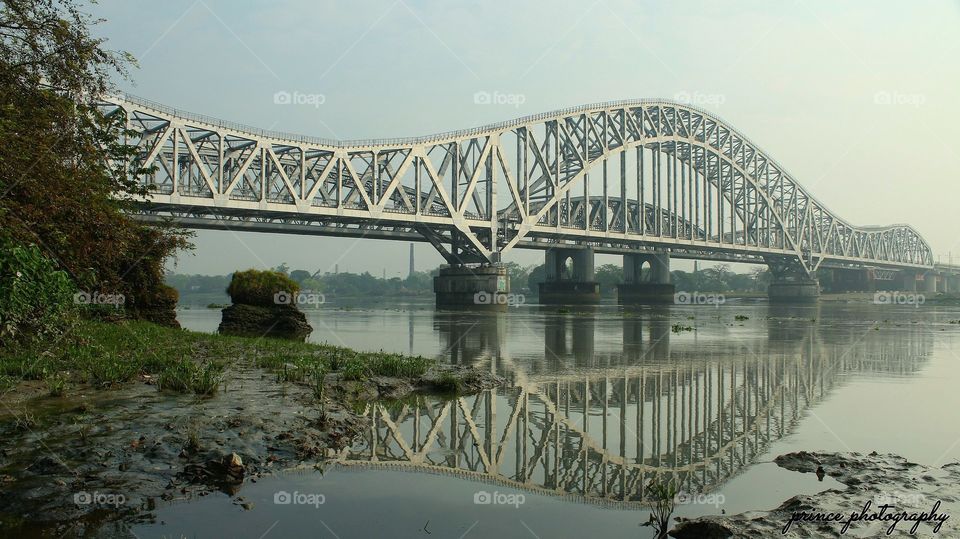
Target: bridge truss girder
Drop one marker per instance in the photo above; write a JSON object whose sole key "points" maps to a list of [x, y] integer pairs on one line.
{"points": [[701, 185]]}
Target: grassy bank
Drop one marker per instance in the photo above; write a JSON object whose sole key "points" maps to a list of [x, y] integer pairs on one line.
{"points": [[105, 354]]}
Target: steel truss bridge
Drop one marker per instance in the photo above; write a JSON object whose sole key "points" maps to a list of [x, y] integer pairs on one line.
{"points": [[620, 177], [601, 435]]}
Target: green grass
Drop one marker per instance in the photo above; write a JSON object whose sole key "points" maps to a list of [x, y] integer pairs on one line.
{"points": [[188, 376], [56, 384], [109, 354], [448, 381]]}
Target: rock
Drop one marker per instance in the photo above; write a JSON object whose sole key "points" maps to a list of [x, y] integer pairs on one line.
{"points": [[871, 481], [700, 529], [284, 321], [233, 466]]}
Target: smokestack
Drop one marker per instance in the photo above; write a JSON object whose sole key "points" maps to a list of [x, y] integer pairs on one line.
{"points": [[410, 273]]}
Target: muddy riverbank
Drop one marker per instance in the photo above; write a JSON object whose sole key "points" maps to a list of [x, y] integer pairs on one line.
{"points": [[103, 457], [884, 495]]}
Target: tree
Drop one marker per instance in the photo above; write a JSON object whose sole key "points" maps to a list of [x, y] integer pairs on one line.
{"points": [[300, 275], [537, 275], [518, 274], [66, 175], [609, 276]]}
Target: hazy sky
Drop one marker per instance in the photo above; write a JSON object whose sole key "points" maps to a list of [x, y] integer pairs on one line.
{"points": [[857, 99]]}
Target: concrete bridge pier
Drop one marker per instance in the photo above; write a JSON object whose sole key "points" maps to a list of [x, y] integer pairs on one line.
{"points": [[483, 287], [847, 280], [949, 283], [791, 283], [907, 281], [652, 287], [570, 277], [793, 290], [928, 282]]}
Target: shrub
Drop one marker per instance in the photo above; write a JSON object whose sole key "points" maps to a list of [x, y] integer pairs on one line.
{"points": [[157, 304], [35, 296], [262, 288]]}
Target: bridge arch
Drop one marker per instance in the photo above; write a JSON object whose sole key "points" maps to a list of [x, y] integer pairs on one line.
{"points": [[474, 196]]}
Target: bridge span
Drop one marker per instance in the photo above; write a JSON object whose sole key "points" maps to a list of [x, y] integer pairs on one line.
{"points": [[650, 179]]}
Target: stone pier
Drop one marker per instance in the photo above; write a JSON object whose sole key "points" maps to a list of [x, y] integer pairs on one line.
{"points": [[791, 283], [569, 284], [484, 287], [652, 288]]}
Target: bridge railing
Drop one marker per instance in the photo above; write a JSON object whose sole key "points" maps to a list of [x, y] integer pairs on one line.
{"points": [[473, 131]]}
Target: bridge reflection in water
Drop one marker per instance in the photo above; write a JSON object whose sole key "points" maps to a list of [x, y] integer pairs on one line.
{"points": [[598, 427]]}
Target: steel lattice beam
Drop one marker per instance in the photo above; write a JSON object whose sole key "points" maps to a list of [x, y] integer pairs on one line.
{"points": [[619, 176]]}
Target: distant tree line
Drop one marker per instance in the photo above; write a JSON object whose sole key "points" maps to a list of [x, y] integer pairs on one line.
{"points": [[343, 284], [523, 279]]}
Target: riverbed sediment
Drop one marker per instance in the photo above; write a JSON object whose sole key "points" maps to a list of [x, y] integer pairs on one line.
{"points": [[885, 495]]}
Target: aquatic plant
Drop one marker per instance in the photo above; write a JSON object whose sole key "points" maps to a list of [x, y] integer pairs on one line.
{"points": [[661, 498], [56, 384], [448, 381]]}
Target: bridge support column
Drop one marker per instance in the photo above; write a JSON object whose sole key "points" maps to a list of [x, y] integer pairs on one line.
{"points": [[846, 280], [950, 283], [569, 284], [805, 290], [791, 283], [485, 287], [908, 281], [653, 288], [929, 283]]}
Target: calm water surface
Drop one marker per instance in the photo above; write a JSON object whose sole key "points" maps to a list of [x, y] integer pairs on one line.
{"points": [[602, 402]]}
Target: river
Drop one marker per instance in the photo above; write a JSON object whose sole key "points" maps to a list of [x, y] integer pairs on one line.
{"points": [[603, 401]]}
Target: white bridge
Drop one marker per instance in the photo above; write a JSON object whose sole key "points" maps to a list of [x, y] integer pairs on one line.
{"points": [[635, 176]]}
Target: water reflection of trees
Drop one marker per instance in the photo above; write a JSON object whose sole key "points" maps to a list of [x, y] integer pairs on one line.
{"points": [[693, 408]]}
